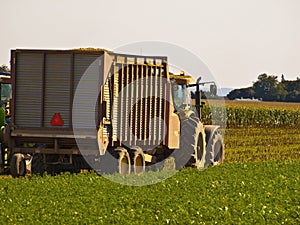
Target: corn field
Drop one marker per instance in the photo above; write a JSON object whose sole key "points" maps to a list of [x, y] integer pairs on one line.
{"points": [[235, 116]]}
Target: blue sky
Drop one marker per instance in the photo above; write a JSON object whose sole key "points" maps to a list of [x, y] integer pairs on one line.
{"points": [[236, 39]]}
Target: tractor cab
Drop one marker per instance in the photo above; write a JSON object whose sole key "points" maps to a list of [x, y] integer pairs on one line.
{"points": [[5, 91], [5, 97], [180, 90]]}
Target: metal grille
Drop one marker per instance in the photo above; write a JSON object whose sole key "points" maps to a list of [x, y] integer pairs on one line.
{"points": [[139, 101]]}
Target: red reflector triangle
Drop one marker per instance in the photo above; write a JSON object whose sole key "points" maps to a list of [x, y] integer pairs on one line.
{"points": [[56, 120]]}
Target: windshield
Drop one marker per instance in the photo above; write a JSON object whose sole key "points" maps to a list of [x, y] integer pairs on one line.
{"points": [[181, 95], [5, 92]]}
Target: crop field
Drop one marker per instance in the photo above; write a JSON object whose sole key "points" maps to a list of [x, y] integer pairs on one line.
{"points": [[252, 114], [232, 193], [262, 144], [259, 183], [257, 104]]}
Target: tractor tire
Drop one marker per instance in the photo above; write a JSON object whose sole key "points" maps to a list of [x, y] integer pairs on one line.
{"points": [[28, 163], [215, 150], [115, 161], [123, 161], [37, 164], [1, 159], [192, 144], [79, 163], [137, 160], [18, 165]]}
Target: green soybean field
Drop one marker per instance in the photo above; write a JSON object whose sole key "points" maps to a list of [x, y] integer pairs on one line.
{"points": [[232, 193]]}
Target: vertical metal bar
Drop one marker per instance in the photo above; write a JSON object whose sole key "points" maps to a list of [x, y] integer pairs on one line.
{"points": [[137, 105], [198, 101], [127, 99], [144, 100], [150, 103], [115, 101], [55, 145], [112, 97], [101, 87], [120, 105], [43, 90], [160, 114], [140, 104], [71, 88], [130, 109], [167, 113], [152, 116], [13, 82], [164, 110], [141, 123], [156, 103], [134, 110]]}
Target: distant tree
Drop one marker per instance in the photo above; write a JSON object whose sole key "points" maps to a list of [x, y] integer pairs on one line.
{"points": [[281, 92], [268, 88], [4, 68], [293, 89], [241, 93]]}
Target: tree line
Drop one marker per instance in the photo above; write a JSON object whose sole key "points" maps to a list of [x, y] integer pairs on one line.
{"points": [[268, 88], [4, 68]]}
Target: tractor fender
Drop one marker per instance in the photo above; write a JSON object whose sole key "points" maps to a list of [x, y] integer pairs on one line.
{"points": [[185, 114], [209, 131], [214, 146], [103, 140]]}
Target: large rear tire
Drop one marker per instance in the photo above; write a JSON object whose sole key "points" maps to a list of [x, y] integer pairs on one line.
{"points": [[18, 165], [215, 150], [192, 144], [37, 164]]}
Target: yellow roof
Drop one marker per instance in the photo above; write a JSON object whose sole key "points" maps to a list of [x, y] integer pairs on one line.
{"points": [[187, 78], [91, 49]]}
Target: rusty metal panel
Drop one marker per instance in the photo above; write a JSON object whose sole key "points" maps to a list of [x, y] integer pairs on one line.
{"points": [[57, 88], [28, 89]]}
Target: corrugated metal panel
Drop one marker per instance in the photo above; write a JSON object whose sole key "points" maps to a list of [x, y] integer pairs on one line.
{"points": [[87, 64], [57, 88], [29, 72]]}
